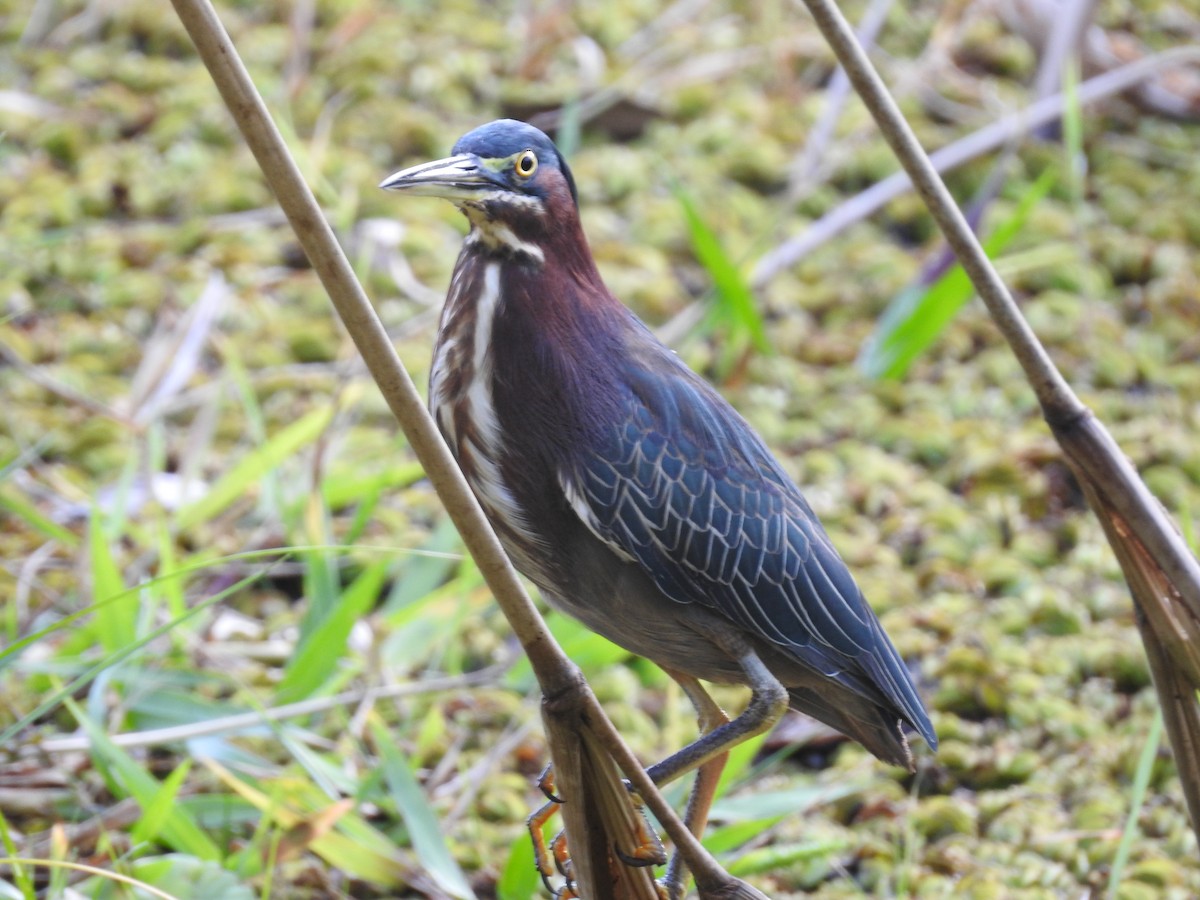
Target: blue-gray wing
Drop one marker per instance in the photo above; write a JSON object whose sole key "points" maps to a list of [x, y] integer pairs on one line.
{"points": [[677, 481]]}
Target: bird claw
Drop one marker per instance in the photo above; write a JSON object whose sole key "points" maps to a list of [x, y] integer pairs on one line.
{"points": [[554, 858], [645, 855], [545, 784]]}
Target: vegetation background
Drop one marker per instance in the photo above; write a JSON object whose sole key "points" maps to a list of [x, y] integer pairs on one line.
{"points": [[210, 523]]}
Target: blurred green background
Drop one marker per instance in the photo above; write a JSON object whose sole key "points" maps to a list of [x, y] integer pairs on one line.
{"points": [[206, 511]]}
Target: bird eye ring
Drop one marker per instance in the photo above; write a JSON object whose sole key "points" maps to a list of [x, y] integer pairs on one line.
{"points": [[527, 163]]}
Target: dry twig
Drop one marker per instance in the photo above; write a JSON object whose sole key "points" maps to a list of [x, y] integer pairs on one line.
{"points": [[953, 155], [1163, 575]]}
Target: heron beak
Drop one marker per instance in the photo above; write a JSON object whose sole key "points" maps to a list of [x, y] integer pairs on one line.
{"points": [[457, 178]]}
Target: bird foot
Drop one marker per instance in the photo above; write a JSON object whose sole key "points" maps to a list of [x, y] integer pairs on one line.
{"points": [[553, 859]]}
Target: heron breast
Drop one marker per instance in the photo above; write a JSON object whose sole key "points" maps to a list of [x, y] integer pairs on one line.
{"points": [[462, 400]]}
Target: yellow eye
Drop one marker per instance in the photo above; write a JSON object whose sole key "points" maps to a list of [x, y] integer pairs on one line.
{"points": [[526, 163]]}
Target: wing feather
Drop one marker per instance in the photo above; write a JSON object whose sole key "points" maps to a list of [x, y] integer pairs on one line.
{"points": [[679, 483]]}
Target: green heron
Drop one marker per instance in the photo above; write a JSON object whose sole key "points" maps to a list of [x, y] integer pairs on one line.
{"points": [[625, 487]]}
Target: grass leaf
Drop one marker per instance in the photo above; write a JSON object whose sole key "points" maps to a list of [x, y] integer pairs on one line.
{"points": [[786, 802], [729, 837], [741, 758], [735, 307], [1137, 797], [110, 659], [355, 846], [28, 513], [187, 878], [253, 466], [1072, 130], [178, 829], [116, 607], [591, 652], [919, 313], [779, 856], [156, 813], [23, 886], [418, 817], [519, 879], [318, 655]]}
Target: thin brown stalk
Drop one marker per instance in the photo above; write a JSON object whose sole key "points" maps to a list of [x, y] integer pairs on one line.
{"points": [[805, 164], [587, 772], [171, 734], [48, 383], [1163, 575], [1062, 43], [331, 266], [582, 714], [947, 158], [559, 678]]}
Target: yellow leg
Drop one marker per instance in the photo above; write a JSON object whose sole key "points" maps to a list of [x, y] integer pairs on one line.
{"points": [[709, 717], [707, 754]]}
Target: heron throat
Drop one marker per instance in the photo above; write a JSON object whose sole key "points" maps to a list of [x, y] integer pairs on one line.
{"points": [[496, 237]]}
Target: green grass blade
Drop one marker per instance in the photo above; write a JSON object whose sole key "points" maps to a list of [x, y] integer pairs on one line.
{"points": [[12, 651], [419, 818], [570, 129], [741, 758], [297, 805], [171, 582], [322, 581], [777, 803], [179, 830], [419, 574], [918, 314], [116, 607], [22, 879], [318, 656], [1072, 130], [345, 487], [96, 887], [1137, 797], [780, 856], [113, 659], [591, 652], [34, 519], [519, 879], [157, 812], [727, 838], [187, 878], [253, 466], [735, 307]]}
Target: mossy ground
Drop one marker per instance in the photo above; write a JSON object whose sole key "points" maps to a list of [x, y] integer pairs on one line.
{"points": [[124, 188]]}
